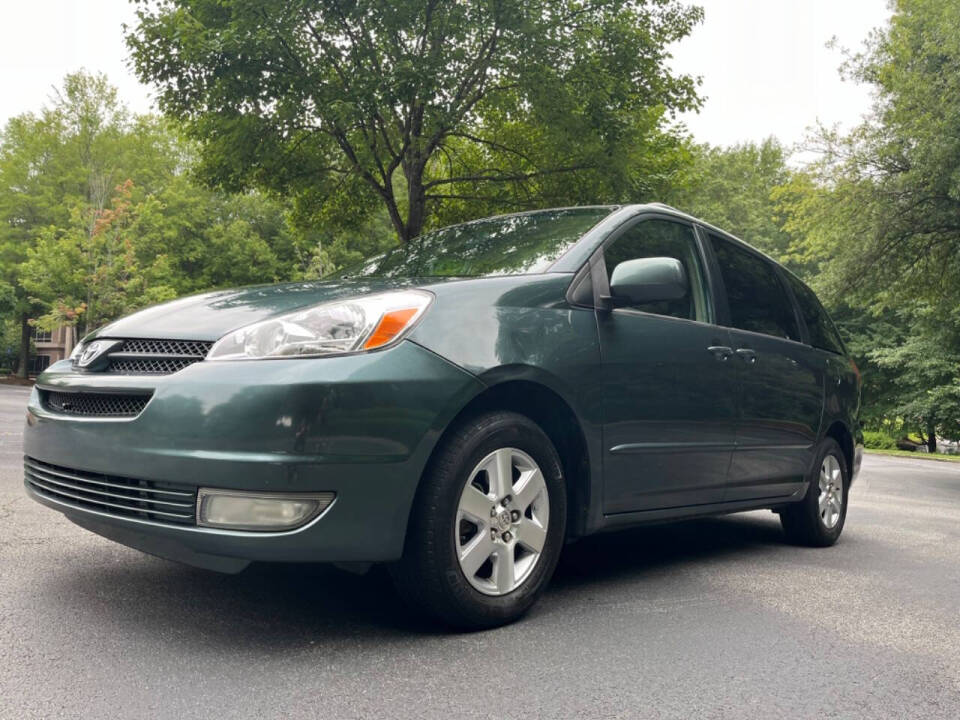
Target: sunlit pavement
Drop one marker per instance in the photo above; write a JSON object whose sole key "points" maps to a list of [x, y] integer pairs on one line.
{"points": [[713, 618]]}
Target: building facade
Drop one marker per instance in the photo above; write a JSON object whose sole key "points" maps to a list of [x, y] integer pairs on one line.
{"points": [[51, 346]]}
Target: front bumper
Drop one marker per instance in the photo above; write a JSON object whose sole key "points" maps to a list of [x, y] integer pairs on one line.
{"points": [[362, 426]]}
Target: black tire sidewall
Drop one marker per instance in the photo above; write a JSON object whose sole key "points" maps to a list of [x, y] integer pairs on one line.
{"points": [[472, 443], [819, 533]]}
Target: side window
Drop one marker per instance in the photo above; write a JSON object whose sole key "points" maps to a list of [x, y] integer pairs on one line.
{"points": [[758, 300], [823, 333], [664, 238]]}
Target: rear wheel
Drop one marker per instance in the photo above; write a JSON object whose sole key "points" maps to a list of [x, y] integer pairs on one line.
{"points": [[487, 526], [818, 519]]}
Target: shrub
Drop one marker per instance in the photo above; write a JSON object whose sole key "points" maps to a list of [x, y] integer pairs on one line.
{"points": [[878, 440]]}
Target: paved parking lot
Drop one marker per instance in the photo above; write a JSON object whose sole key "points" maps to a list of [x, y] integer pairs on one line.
{"points": [[713, 618]]}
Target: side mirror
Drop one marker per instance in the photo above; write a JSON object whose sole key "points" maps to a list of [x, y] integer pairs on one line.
{"points": [[646, 280]]}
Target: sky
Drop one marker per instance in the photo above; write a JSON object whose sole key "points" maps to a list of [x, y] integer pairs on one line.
{"points": [[766, 69], [764, 63]]}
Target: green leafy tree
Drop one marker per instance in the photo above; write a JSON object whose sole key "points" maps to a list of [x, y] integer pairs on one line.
{"points": [[101, 215], [735, 189], [920, 364], [422, 108], [90, 268], [887, 212], [876, 221], [48, 163]]}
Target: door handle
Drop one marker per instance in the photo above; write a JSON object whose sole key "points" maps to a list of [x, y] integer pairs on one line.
{"points": [[749, 356], [720, 352]]}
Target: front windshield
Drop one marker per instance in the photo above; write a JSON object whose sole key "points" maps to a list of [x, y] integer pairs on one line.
{"points": [[506, 245]]}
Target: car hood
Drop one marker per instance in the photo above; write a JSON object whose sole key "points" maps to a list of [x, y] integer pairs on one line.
{"points": [[212, 315]]}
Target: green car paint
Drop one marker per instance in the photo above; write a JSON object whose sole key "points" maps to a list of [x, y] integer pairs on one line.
{"points": [[652, 423]]}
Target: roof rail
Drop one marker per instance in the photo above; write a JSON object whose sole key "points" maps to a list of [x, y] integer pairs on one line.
{"points": [[663, 205]]}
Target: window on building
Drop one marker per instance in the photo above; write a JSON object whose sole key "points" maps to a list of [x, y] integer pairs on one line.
{"points": [[39, 363]]}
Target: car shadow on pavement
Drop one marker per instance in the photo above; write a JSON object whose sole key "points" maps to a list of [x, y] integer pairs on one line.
{"points": [[276, 607], [639, 552]]}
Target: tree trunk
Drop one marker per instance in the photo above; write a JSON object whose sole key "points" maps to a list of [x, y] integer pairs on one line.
{"points": [[931, 437], [24, 369], [416, 202]]}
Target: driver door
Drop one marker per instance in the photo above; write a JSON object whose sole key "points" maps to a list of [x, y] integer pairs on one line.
{"points": [[669, 385]]}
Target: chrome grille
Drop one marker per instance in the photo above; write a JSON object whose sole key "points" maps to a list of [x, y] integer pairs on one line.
{"points": [[121, 496], [149, 366], [115, 405], [195, 348], [139, 356]]}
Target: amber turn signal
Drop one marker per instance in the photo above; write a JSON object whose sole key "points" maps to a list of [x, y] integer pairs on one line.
{"points": [[391, 324]]}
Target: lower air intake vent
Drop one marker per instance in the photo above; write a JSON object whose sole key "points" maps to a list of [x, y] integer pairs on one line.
{"points": [[115, 405], [125, 497]]}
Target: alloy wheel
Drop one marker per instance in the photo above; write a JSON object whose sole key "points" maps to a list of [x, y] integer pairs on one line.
{"points": [[831, 492], [502, 520]]}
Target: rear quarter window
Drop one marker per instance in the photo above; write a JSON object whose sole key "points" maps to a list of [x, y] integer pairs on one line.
{"points": [[823, 333], [756, 297]]}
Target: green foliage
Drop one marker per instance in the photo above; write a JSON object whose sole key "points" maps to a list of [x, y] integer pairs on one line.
{"points": [[886, 211], [425, 109], [877, 221], [101, 216], [922, 362], [9, 344], [876, 440], [735, 189]]}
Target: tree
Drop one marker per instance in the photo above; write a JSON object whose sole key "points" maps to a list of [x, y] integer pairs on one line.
{"points": [[876, 221], [887, 209], [101, 216], [735, 189], [89, 270], [917, 359], [47, 163], [420, 106]]}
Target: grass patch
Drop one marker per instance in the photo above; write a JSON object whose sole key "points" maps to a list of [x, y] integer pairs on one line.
{"points": [[914, 455]]}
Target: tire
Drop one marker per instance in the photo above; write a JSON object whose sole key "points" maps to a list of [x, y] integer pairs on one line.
{"points": [[810, 523], [446, 524]]}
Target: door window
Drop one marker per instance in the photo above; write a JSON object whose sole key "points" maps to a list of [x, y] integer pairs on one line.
{"points": [[823, 333], [757, 299], [663, 238]]}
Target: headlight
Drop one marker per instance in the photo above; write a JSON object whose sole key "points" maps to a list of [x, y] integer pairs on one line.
{"points": [[76, 352], [354, 325]]}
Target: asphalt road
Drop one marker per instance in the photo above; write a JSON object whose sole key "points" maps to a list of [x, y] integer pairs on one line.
{"points": [[713, 618]]}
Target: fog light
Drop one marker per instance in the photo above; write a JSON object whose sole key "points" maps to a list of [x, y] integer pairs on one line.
{"points": [[238, 510]]}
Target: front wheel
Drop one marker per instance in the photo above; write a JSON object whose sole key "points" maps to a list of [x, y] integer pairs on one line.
{"points": [[487, 525], [818, 519]]}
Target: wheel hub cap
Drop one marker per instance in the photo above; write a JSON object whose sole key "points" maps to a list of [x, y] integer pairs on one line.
{"points": [[502, 521]]}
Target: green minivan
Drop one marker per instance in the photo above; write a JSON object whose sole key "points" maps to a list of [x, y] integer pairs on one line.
{"points": [[460, 408]]}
